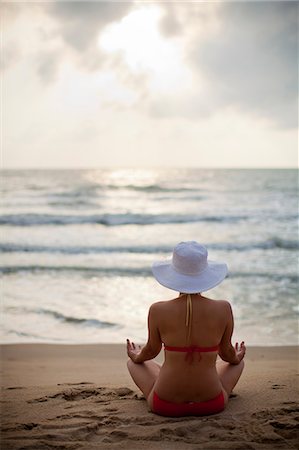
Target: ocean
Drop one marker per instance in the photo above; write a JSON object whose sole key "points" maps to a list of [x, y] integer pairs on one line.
{"points": [[77, 248]]}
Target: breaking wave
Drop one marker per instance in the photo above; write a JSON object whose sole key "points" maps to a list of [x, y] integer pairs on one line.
{"points": [[76, 320], [132, 272], [269, 244], [32, 219]]}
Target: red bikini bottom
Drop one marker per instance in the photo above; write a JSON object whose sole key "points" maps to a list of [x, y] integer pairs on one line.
{"points": [[171, 409]]}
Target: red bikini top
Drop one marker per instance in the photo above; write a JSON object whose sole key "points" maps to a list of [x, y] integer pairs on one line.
{"points": [[191, 350]]}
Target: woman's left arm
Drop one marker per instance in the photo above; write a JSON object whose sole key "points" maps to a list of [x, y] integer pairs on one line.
{"points": [[154, 343]]}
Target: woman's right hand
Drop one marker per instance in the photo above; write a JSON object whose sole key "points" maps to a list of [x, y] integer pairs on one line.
{"points": [[133, 350], [240, 350]]}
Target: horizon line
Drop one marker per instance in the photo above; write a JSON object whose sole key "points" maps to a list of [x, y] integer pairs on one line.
{"points": [[120, 167]]}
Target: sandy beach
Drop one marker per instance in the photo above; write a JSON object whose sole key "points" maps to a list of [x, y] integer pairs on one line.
{"points": [[81, 397]]}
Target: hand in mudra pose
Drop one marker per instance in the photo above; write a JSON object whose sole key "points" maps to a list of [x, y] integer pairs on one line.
{"points": [[133, 350], [240, 351]]}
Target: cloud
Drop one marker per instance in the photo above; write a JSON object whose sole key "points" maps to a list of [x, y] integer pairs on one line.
{"points": [[248, 61], [47, 64], [254, 62], [241, 55], [80, 22], [10, 48], [78, 25], [66, 30], [179, 18], [170, 24]]}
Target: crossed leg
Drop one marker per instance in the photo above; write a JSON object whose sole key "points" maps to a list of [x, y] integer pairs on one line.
{"points": [[229, 374], [146, 374]]}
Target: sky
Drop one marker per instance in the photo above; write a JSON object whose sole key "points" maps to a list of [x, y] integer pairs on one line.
{"points": [[150, 84]]}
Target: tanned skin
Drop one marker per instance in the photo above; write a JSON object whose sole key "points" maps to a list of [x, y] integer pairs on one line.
{"points": [[179, 380]]}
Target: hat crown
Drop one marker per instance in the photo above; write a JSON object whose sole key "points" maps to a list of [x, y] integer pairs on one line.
{"points": [[190, 258]]}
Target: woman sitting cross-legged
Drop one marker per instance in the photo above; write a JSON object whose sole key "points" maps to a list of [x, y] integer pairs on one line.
{"points": [[193, 330]]}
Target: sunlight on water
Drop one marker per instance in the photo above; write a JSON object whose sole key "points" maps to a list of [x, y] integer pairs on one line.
{"points": [[123, 177]]}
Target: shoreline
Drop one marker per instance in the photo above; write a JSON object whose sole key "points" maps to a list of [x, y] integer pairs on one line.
{"points": [[81, 396]]}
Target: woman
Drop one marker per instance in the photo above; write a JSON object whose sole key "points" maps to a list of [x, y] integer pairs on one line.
{"points": [[194, 330]]}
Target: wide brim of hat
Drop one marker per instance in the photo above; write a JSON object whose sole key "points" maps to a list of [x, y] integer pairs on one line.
{"points": [[210, 277]]}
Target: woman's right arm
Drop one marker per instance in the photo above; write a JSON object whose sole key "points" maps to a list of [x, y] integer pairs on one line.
{"points": [[227, 352], [154, 343]]}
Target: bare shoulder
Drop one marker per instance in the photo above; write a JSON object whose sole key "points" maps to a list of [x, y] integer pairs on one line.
{"points": [[157, 306], [219, 303], [160, 309], [224, 306]]}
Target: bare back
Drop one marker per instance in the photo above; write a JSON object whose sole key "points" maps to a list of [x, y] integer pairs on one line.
{"points": [[179, 379]]}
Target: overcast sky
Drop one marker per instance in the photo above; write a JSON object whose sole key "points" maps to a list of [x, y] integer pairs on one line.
{"points": [[199, 84]]}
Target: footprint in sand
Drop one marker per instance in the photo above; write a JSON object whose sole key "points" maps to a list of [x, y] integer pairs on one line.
{"points": [[282, 421], [29, 426], [15, 387], [74, 384], [118, 434], [123, 391], [101, 394]]}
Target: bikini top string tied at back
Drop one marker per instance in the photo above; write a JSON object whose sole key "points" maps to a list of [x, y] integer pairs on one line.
{"points": [[189, 316], [191, 349]]}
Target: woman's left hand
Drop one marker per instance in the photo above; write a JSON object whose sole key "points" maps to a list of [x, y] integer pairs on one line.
{"points": [[133, 350]]}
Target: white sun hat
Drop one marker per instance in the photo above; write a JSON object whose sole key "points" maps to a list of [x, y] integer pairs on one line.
{"points": [[189, 270]]}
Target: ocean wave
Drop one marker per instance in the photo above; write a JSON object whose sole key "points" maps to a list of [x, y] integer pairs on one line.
{"points": [[81, 250], [112, 219], [283, 243], [151, 188], [29, 335], [291, 277], [77, 320], [91, 322], [133, 272], [269, 244], [109, 271]]}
